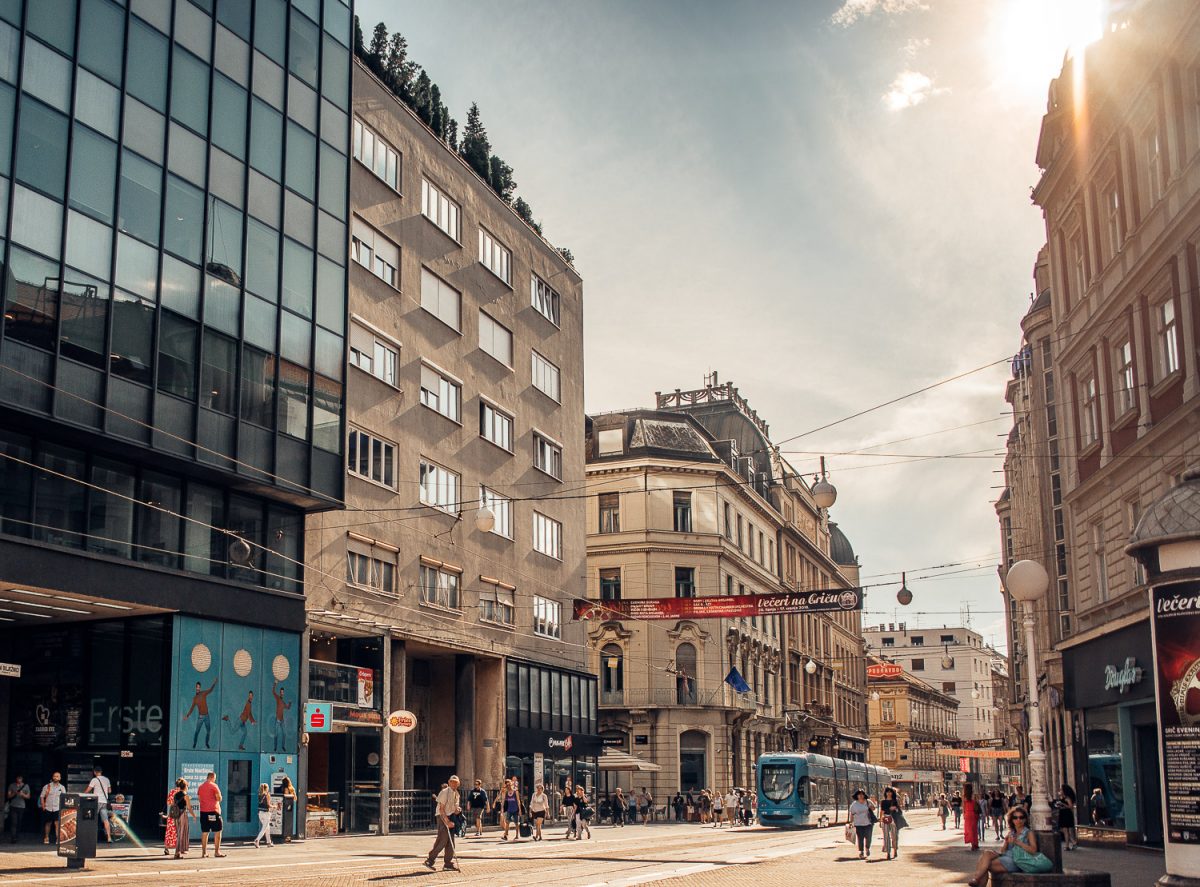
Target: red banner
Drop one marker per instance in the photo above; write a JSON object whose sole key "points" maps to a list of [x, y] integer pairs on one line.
{"points": [[722, 607], [886, 670]]}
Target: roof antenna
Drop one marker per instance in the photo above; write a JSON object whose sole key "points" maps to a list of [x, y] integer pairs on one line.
{"points": [[710, 380]]}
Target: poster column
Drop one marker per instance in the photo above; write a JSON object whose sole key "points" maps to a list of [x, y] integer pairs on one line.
{"points": [[1175, 628]]}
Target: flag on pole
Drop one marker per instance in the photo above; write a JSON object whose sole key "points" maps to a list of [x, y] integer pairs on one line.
{"points": [[735, 680]]}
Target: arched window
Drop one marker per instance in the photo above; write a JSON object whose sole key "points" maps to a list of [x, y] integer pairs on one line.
{"points": [[685, 674], [612, 674]]}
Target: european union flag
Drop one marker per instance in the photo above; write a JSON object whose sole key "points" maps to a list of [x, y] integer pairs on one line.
{"points": [[735, 680]]}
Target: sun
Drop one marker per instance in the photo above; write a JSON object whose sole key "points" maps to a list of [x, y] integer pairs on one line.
{"points": [[1029, 38]]}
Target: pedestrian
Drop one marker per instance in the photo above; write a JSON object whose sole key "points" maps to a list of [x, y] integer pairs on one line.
{"points": [[705, 806], [510, 809], [731, 807], [15, 799], [1099, 807], [568, 808], [210, 815], [603, 810], [718, 802], [539, 806], [1019, 836], [956, 806], [972, 811], [102, 789], [862, 814], [50, 802], [645, 800], [678, 805], [264, 815], [996, 813], [477, 803], [1066, 817], [1014, 797], [179, 816], [890, 816], [618, 808], [287, 790], [943, 809], [583, 814], [447, 805], [747, 807]]}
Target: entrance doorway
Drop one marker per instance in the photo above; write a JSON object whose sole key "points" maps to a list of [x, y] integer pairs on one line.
{"points": [[693, 760], [1149, 811]]}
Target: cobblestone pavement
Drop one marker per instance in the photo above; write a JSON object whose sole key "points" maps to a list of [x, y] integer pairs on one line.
{"points": [[672, 854]]}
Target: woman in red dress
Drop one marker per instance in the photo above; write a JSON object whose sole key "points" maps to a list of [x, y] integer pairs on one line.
{"points": [[970, 817]]}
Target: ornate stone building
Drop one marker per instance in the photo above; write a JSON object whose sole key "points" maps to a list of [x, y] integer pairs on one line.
{"points": [[691, 499]]}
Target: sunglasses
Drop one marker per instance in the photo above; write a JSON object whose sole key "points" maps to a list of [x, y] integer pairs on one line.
{"points": [[1019, 816]]}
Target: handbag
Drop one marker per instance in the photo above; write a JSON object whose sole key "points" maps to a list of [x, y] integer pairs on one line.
{"points": [[1031, 863], [524, 829], [871, 814], [850, 833]]}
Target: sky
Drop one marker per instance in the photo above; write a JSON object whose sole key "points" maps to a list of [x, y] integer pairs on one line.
{"points": [[827, 202]]}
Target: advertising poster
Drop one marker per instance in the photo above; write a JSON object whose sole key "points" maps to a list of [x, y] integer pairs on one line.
{"points": [[242, 711], [722, 606], [366, 688], [1175, 626], [280, 687]]}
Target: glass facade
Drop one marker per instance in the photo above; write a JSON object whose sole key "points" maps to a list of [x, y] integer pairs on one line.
{"points": [[172, 274]]}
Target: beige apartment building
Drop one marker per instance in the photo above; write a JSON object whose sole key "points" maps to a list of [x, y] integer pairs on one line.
{"points": [[444, 588], [1119, 152], [689, 500]]}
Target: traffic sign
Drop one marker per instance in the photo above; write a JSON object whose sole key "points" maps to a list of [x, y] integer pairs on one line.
{"points": [[318, 717]]}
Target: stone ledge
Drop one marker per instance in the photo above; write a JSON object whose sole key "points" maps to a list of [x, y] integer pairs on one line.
{"points": [[1052, 879]]}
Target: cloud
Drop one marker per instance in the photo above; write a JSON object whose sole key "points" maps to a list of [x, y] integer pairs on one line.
{"points": [[915, 45], [853, 10], [909, 89]]}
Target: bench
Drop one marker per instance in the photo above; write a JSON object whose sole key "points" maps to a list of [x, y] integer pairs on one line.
{"points": [[1050, 843]]}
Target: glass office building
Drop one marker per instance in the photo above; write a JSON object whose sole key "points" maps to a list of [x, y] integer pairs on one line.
{"points": [[173, 205]]}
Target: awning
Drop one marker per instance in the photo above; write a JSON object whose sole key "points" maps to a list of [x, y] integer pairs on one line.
{"points": [[612, 759]]}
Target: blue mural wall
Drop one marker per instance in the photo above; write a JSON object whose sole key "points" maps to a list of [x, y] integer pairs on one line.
{"points": [[233, 712]]}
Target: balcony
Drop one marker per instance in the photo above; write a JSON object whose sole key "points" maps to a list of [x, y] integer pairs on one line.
{"points": [[718, 697]]}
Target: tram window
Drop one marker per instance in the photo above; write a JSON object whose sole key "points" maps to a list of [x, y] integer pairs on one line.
{"points": [[778, 781]]}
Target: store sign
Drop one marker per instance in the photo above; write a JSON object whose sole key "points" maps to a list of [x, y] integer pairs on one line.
{"points": [[401, 721], [344, 714], [1121, 679], [884, 670], [10, 670], [1175, 628], [366, 688], [722, 606], [564, 743], [318, 717]]}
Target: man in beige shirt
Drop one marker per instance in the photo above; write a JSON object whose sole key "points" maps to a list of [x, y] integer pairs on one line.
{"points": [[448, 805]]}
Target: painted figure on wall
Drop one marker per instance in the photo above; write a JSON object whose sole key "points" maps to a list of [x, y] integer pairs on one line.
{"points": [[200, 706], [246, 718], [280, 707]]}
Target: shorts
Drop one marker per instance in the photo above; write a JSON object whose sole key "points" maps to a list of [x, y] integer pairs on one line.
{"points": [[1010, 864], [211, 822], [49, 816], [538, 814], [645, 810]]}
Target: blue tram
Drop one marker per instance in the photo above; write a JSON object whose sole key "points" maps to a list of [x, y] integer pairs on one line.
{"points": [[806, 789]]}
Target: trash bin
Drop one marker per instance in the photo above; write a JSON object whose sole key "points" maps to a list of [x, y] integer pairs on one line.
{"points": [[78, 819]]}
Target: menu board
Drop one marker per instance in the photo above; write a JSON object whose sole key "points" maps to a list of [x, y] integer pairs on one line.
{"points": [[1175, 626]]}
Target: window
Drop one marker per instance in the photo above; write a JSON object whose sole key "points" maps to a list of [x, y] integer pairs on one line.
{"points": [[918, 665], [495, 257], [1152, 151], [547, 456], [889, 749], [545, 377], [547, 535], [1124, 382], [610, 442], [610, 584], [497, 606], [610, 512], [495, 426], [917, 640], [368, 571], [1165, 338], [440, 209], [1078, 264], [728, 522], [371, 458], [547, 617], [888, 642], [376, 253], [544, 299], [685, 582], [1099, 563], [948, 686], [501, 508], [1132, 514], [741, 532], [1112, 209], [439, 486], [439, 587], [683, 512], [495, 340], [440, 393], [372, 354], [376, 155], [612, 674], [1089, 425], [685, 675], [441, 299]]}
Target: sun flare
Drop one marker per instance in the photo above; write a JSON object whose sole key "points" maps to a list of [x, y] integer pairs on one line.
{"points": [[1030, 38]]}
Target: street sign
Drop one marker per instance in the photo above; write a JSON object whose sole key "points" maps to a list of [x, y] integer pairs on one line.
{"points": [[9, 670], [318, 717]]}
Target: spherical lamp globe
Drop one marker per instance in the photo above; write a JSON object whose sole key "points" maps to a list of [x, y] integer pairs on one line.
{"points": [[810, 667], [1027, 581], [485, 520], [824, 493]]}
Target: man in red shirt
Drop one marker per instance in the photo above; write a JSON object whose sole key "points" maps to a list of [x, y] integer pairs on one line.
{"points": [[210, 815]]}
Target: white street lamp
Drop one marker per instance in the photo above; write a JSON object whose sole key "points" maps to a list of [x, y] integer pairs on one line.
{"points": [[824, 493], [810, 667], [485, 520], [1027, 582]]}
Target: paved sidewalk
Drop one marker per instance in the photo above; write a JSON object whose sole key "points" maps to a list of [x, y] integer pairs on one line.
{"points": [[670, 854]]}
